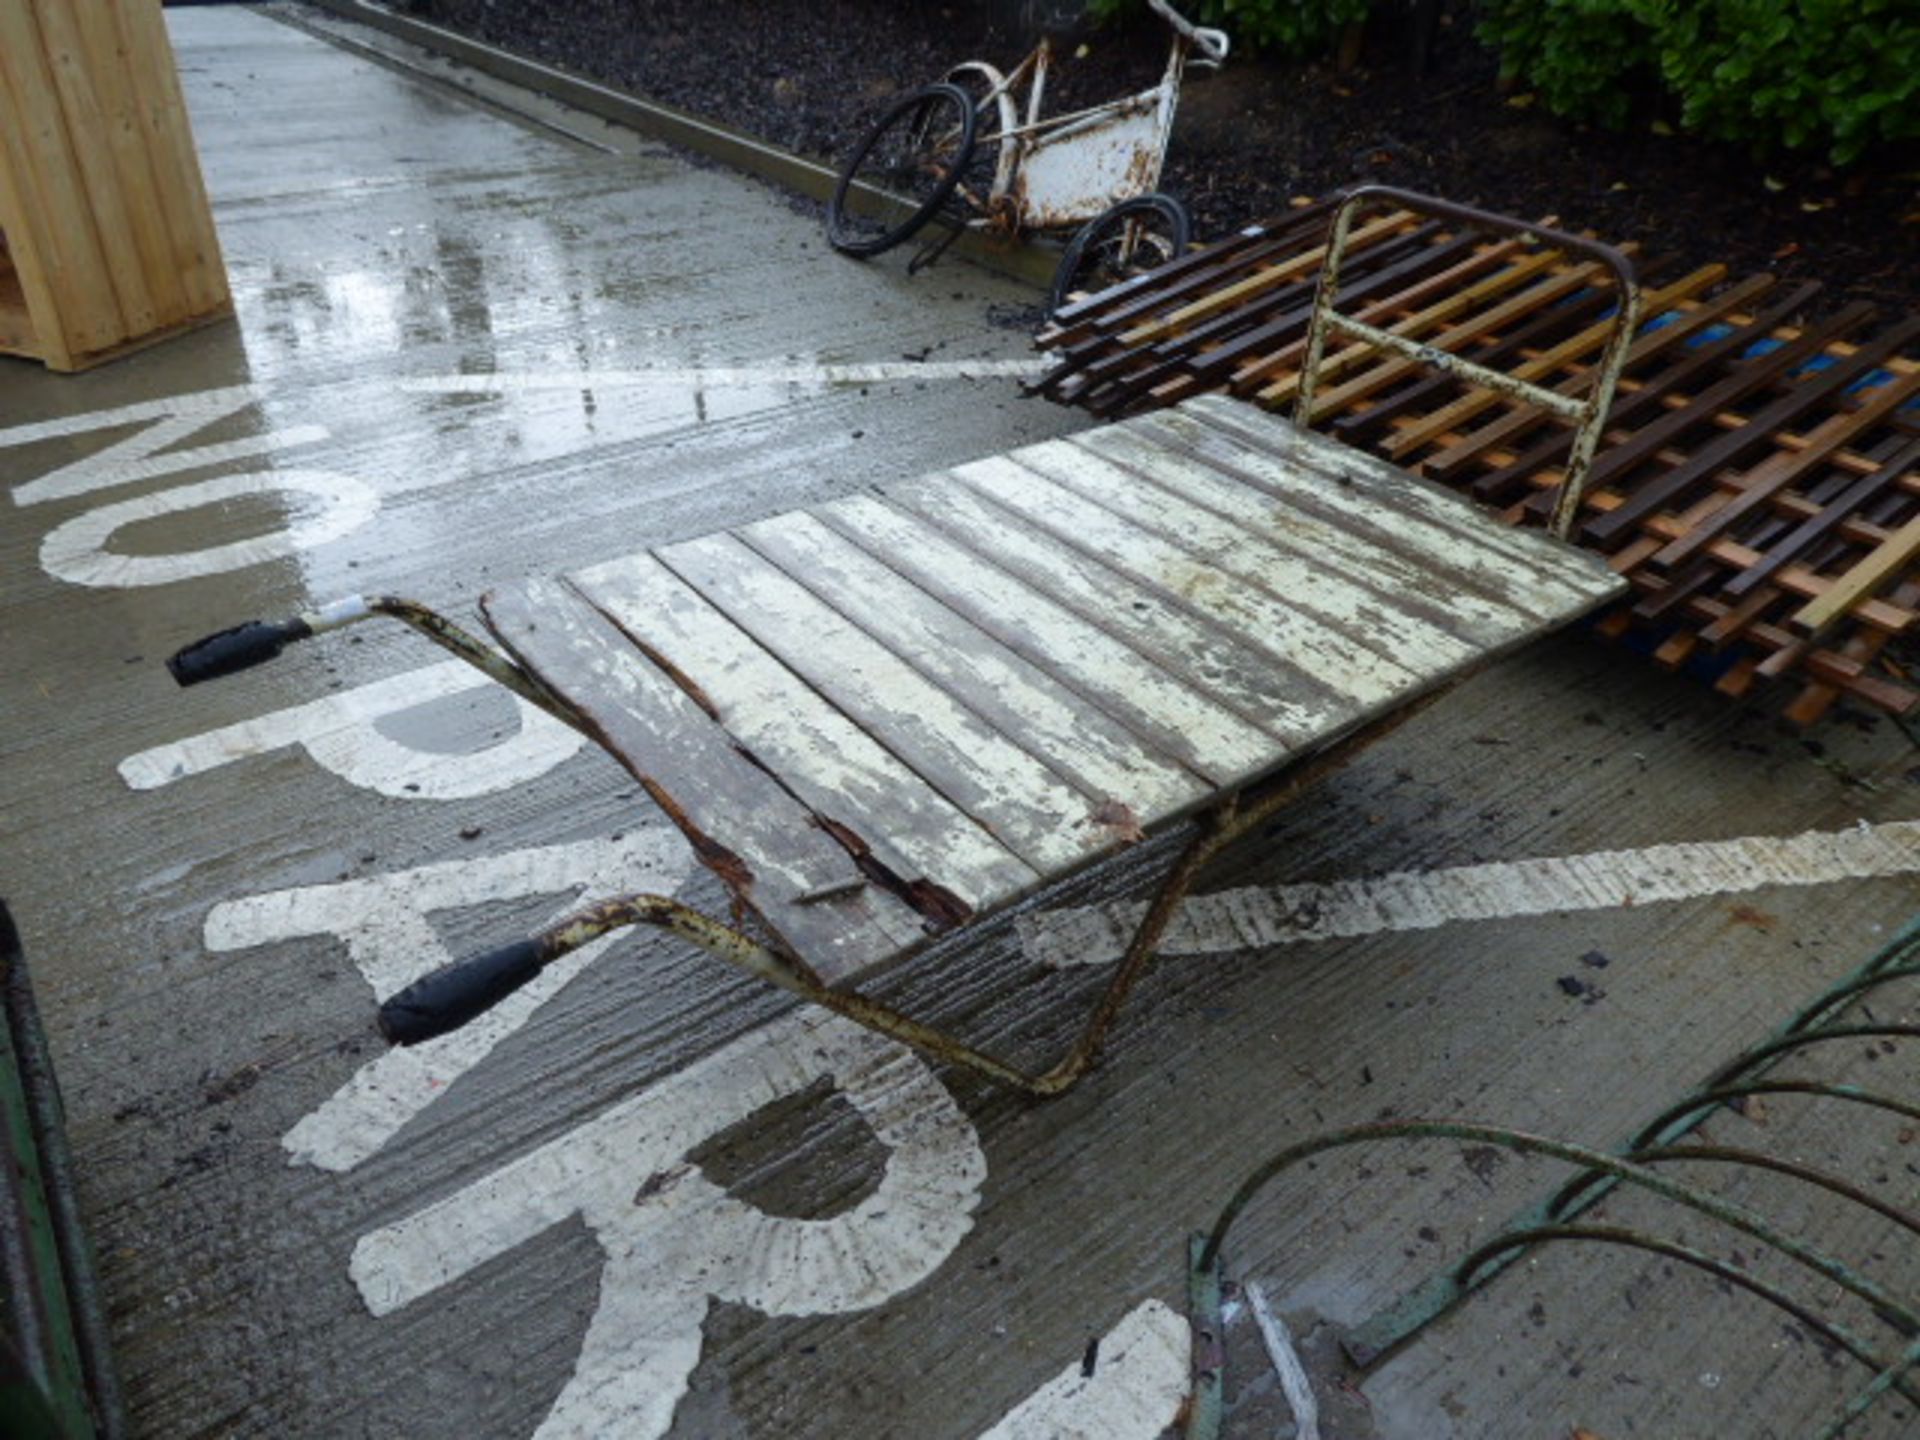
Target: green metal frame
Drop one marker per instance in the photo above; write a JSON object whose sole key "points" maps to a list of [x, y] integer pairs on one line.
{"points": [[1374, 1339], [56, 1378]]}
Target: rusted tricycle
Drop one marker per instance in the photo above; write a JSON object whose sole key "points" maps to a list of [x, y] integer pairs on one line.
{"points": [[959, 149]]}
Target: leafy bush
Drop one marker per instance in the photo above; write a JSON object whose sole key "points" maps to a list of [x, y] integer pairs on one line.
{"points": [[1292, 27], [1841, 75], [1586, 58]]}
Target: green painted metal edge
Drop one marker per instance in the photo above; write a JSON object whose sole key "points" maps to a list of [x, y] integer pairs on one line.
{"points": [[1018, 260], [56, 1380], [1206, 1401]]}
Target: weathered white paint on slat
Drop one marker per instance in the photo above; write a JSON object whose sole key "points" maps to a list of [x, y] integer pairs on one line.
{"points": [[1089, 747], [1578, 568], [1360, 611], [1203, 734], [1366, 677], [1441, 575], [816, 751], [1214, 424], [1310, 470], [1032, 809], [1280, 698], [663, 735]]}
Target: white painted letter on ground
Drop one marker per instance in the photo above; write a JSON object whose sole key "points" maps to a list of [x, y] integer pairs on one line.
{"points": [[675, 1241], [384, 924], [341, 732], [329, 506], [1139, 1381], [163, 423]]}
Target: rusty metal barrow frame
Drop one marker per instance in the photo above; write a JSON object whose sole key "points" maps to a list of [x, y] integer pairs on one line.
{"points": [[450, 997], [1049, 173]]}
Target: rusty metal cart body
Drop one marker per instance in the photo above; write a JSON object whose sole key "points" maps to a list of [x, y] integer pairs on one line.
{"points": [[893, 715], [972, 148]]}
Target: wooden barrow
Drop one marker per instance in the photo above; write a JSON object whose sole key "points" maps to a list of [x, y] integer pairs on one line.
{"points": [[884, 718]]}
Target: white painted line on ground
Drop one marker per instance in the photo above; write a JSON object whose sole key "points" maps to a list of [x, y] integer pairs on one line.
{"points": [[1251, 918], [716, 376], [1138, 1383], [1286, 1364]]}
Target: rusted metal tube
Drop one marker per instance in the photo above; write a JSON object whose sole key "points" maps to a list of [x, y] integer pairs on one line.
{"points": [[477, 653], [1590, 415]]}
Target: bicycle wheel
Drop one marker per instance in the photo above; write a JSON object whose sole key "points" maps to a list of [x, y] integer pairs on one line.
{"points": [[902, 172], [1130, 239]]}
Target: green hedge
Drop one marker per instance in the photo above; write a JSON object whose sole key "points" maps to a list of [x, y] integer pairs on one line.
{"points": [[1839, 76], [1835, 75]]}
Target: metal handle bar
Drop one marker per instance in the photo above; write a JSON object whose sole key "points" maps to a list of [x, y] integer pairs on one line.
{"points": [[1590, 414], [1212, 44]]}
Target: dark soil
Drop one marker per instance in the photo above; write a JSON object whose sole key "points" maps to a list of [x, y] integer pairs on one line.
{"points": [[810, 74]]}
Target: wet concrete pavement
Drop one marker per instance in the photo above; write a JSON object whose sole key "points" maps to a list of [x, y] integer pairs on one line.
{"points": [[660, 1200]]}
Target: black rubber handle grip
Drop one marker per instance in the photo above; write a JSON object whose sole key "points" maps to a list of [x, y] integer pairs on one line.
{"points": [[454, 994], [253, 643]]}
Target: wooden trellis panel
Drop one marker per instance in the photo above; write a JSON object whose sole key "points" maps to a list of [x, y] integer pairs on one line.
{"points": [[1759, 483]]}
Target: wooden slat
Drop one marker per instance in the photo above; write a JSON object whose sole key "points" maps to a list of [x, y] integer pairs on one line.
{"points": [[1412, 629], [1753, 376], [1202, 733], [1378, 280], [23, 286], [835, 769], [74, 70], [1076, 739], [1767, 479], [1197, 272], [102, 205], [105, 45], [1264, 690], [1110, 372], [1862, 580], [1293, 268], [1441, 585], [48, 209], [1526, 267], [1241, 348], [740, 822], [1512, 345], [1036, 812], [1587, 341], [1363, 484], [181, 190], [1839, 518], [1649, 395], [1345, 662]]}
